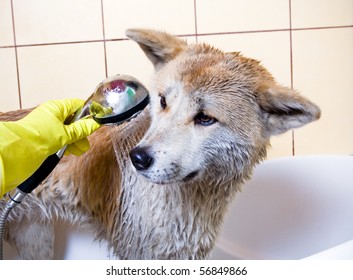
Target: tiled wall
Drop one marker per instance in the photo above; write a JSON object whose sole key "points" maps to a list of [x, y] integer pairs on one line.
{"points": [[62, 48]]}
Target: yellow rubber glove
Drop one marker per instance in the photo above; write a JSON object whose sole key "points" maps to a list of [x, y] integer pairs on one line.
{"points": [[25, 144]]}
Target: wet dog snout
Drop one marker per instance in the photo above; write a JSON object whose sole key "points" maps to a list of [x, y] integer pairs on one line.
{"points": [[140, 158]]}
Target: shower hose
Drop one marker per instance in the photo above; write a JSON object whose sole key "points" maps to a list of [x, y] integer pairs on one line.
{"points": [[3, 218], [13, 200]]}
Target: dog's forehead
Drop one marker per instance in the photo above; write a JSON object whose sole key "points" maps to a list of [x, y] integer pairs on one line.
{"points": [[211, 73]]}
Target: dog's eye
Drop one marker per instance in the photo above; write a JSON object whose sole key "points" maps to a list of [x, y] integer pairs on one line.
{"points": [[163, 102], [204, 119]]}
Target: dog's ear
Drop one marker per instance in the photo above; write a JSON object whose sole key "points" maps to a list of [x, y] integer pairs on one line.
{"points": [[284, 109], [160, 47]]}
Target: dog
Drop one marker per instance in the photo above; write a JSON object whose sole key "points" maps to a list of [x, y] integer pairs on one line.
{"points": [[158, 187]]}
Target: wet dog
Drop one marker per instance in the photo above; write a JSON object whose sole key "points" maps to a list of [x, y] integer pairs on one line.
{"points": [[159, 186]]}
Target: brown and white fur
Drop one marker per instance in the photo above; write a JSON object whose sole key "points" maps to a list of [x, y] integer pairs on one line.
{"points": [[209, 123]]}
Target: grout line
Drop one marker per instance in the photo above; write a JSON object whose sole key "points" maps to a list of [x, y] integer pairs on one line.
{"points": [[184, 35], [65, 43], [243, 32], [321, 27], [195, 19], [16, 56], [104, 42], [291, 64], [275, 30], [7, 47], [291, 44]]}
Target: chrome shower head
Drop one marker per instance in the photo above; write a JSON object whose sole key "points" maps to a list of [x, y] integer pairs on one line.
{"points": [[116, 100]]}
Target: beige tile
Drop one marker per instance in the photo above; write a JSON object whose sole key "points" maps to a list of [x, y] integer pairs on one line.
{"points": [[272, 49], [174, 16], [281, 146], [323, 71], [229, 15], [9, 97], [126, 57], [43, 21], [6, 33], [318, 13], [60, 71]]}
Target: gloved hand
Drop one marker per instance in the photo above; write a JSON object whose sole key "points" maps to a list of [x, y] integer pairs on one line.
{"points": [[26, 143]]}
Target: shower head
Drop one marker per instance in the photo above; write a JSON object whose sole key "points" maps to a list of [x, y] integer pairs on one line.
{"points": [[115, 100]]}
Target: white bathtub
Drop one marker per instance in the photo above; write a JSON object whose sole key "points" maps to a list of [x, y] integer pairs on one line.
{"points": [[293, 208]]}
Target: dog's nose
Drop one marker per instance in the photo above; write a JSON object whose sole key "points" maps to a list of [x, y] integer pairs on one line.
{"points": [[140, 158]]}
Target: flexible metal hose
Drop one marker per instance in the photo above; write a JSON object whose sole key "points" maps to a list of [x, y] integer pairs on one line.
{"points": [[3, 218], [13, 200]]}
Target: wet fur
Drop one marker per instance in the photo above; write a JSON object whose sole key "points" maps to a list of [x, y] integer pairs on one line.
{"points": [[175, 208]]}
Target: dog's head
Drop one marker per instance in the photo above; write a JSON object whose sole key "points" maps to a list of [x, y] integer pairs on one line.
{"points": [[212, 112]]}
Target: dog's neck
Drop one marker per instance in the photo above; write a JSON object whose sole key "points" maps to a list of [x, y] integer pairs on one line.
{"points": [[170, 221]]}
